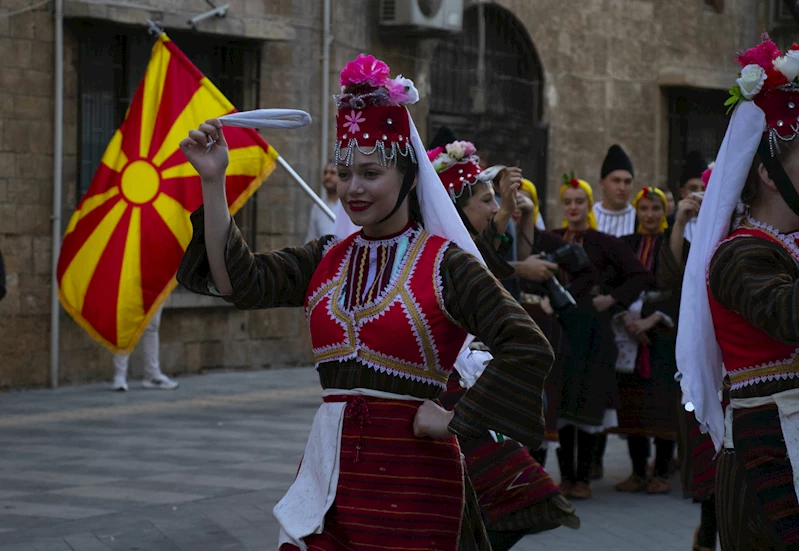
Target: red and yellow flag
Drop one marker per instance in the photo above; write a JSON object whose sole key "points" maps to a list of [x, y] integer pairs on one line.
{"points": [[124, 243]]}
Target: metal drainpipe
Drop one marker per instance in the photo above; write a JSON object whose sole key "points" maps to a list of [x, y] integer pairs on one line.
{"points": [[58, 143], [327, 42]]}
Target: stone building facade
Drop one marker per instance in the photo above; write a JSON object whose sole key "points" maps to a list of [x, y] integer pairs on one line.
{"points": [[604, 71]]}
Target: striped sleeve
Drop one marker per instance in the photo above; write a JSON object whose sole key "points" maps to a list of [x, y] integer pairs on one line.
{"points": [[508, 395], [268, 280], [759, 280]]}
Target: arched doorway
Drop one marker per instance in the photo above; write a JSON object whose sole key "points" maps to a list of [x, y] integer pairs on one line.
{"points": [[487, 85]]}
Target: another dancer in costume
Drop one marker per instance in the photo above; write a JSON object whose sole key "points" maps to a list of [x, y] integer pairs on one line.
{"points": [[389, 309], [614, 214], [742, 281], [590, 395], [517, 497], [646, 364]]}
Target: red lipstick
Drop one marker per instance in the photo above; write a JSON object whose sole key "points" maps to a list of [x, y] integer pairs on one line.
{"points": [[359, 206]]}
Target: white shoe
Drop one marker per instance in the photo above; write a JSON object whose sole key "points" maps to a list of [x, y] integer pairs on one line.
{"points": [[159, 382], [119, 384]]}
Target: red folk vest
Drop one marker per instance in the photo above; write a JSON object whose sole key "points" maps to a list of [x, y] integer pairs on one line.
{"points": [[404, 331], [750, 355]]}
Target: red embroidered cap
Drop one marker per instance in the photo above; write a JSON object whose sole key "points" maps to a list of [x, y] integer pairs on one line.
{"points": [[372, 116], [457, 166]]}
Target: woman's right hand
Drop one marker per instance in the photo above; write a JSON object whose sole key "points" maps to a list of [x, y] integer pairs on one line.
{"points": [[209, 164], [688, 208]]}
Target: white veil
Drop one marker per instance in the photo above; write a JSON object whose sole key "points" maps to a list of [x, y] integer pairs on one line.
{"points": [[698, 352]]}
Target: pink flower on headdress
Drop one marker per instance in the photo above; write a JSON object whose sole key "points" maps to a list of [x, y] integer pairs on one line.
{"points": [[365, 69], [763, 54], [354, 120], [433, 153], [396, 92]]}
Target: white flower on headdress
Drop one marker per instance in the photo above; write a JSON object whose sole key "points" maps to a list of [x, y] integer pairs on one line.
{"points": [[751, 81], [353, 121], [460, 150], [410, 89], [456, 150], [788, 64]]}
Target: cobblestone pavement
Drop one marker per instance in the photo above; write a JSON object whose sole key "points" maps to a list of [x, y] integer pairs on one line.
{"points": [[199, 469]]}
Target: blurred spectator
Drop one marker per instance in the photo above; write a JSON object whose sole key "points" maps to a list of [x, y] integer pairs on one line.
{"points": [[153, 378], [320, 223]]}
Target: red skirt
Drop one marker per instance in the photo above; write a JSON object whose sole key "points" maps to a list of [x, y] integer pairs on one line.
{"points": [[395, 491], [506, 478]]}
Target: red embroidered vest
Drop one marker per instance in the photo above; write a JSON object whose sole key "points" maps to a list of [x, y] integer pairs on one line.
{"points": [[750, 355], [403, 331]]}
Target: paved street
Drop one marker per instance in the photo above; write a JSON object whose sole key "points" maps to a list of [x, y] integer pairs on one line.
{"points": [[199, 469]]}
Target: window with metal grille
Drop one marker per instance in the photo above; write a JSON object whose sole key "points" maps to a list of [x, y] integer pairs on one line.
{"points": [[112, 63]]}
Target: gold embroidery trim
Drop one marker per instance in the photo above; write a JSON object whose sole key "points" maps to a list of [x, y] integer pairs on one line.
{"points": [[744, 376], [421, 330]]}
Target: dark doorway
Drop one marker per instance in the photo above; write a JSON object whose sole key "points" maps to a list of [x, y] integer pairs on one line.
{"points": [[499, 107]]}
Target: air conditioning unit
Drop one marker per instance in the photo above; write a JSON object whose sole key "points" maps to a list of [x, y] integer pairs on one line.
{"points": [[422, 16]]}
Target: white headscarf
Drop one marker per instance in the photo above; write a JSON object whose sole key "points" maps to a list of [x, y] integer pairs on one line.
{"points": [[698, 353]]}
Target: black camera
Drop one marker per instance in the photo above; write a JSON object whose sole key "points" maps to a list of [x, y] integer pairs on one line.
{"points": [[569, 257]]}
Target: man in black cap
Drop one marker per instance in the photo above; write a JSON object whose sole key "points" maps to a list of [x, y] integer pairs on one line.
{"points": [[614, 214]]}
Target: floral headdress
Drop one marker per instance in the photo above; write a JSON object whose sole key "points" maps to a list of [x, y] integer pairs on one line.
{"points": [[768, 77], [372, 117], [458, 167]]}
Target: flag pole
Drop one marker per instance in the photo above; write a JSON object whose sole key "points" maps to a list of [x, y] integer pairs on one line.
{"points": [[58, 142], [311, 193]]}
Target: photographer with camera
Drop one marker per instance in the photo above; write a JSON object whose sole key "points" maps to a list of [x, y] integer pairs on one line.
{"points": [[517, 496], [589, 396]]}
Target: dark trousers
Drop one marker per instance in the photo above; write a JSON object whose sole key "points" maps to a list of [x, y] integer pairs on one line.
{"points": [[598, 459], [584, 442], [639, 454]]}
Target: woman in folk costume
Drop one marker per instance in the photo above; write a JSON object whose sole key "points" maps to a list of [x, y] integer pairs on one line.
{"points": [[389, 308], [589, 396], [646, 366], [517, 497], [696, 451], [741, 280]]}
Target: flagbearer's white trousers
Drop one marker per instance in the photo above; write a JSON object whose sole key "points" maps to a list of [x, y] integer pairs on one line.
{"points": [[150, 346]]}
